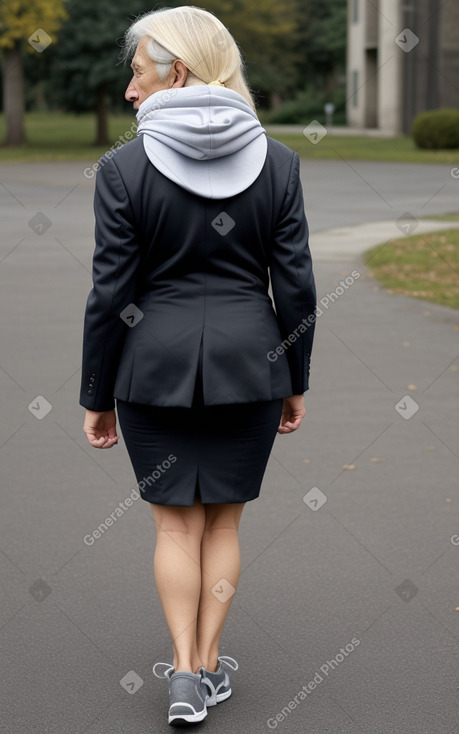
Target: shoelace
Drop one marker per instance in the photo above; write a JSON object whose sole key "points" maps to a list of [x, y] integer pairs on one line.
{"points": [[225, 659], [230, 662], [166, 673]]}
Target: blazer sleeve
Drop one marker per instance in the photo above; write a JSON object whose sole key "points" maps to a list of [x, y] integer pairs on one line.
{"points": [[115, 263], [292, 282]]}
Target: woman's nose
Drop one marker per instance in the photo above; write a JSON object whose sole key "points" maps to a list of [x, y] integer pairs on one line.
{"points": [[130, 93]]}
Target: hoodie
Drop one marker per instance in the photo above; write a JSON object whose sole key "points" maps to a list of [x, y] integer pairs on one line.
{"points": [[205, 138]]}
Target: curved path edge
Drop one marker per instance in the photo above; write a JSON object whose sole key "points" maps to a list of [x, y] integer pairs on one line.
{"points": [[347, 243]]}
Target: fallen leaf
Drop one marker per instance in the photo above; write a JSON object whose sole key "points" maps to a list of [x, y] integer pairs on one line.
{"points": [[411, 387], [377, 459], [349, 467], [431, 448]]}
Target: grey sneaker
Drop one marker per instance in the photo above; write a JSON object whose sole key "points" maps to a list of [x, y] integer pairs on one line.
{"points": [[218, 683], [187, 696]]}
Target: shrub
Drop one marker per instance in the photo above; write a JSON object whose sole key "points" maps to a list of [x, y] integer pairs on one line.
{"points": [[307, 106], [437, 129]]}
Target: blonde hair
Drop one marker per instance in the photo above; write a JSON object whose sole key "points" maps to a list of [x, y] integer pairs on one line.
{"points": [[198, 39]]}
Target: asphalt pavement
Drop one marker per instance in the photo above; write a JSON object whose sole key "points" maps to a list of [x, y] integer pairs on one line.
{"points": [[346, 616]]}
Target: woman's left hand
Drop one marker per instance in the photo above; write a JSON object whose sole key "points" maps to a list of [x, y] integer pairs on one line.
{"points": [[100, 428], [293, 412]]}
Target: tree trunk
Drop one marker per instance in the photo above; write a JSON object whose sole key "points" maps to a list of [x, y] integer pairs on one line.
{"points": [[275, 100], [102, 117], [330, 81], [13, 95]]}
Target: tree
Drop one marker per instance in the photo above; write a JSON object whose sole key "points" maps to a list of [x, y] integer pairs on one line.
{"points": [[88, 76], [24, 26], [267, 33], [322, 42], [87, 71]]}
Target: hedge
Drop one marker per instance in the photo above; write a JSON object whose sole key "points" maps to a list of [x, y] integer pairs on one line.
{"points": [[437, 129]]}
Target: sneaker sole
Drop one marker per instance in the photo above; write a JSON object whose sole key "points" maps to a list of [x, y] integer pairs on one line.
{"points": [[219, 698], [186, 719], [223, 696]]}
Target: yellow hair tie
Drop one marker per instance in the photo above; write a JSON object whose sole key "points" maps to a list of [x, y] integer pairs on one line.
{"points": [[217, 83]]}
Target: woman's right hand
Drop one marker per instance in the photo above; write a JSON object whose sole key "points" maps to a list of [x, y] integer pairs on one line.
{"points": [[293, 412], [100, 428]]}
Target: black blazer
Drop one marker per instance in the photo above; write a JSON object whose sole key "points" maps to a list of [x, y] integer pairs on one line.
{"points": [[175, 274]]}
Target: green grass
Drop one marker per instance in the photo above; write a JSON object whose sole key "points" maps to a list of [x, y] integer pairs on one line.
{"points": [[56, 136], [422, 266], [453, 217], [349, 147]]}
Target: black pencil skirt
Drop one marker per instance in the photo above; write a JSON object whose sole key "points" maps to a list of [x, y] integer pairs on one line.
{"points": [[217, 453]]}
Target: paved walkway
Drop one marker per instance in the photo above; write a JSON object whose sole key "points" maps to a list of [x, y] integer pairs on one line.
{"points": [[368, 132], [344, 621], [347, 243]]}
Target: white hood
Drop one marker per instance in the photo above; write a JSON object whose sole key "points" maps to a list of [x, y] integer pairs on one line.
{"points": [[205, 138]]}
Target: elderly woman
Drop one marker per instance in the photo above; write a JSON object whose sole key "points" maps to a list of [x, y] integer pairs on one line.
{"points": [[194, 219]]}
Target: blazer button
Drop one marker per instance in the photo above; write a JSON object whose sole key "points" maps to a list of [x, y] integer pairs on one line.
{"points": [[91, 379], [89, 392]]}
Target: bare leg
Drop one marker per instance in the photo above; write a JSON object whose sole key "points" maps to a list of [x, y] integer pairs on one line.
{"points": [[177, 566], [220, 559]]}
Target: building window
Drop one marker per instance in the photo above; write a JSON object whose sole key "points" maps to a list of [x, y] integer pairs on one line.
{"points": [[355, 11], [355, 88]]}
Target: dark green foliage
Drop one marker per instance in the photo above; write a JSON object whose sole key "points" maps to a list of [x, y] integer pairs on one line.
{"points": [[268, 33], [86, 56], [319, 65], [437, 129], [308, 106], [322, 43], [288, 46]]}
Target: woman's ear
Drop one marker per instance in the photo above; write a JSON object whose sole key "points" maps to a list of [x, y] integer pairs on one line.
{"points": [[179, 73]]}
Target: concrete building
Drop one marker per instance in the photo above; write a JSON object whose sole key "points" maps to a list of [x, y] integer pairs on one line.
{"points": [[403, 58]]}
